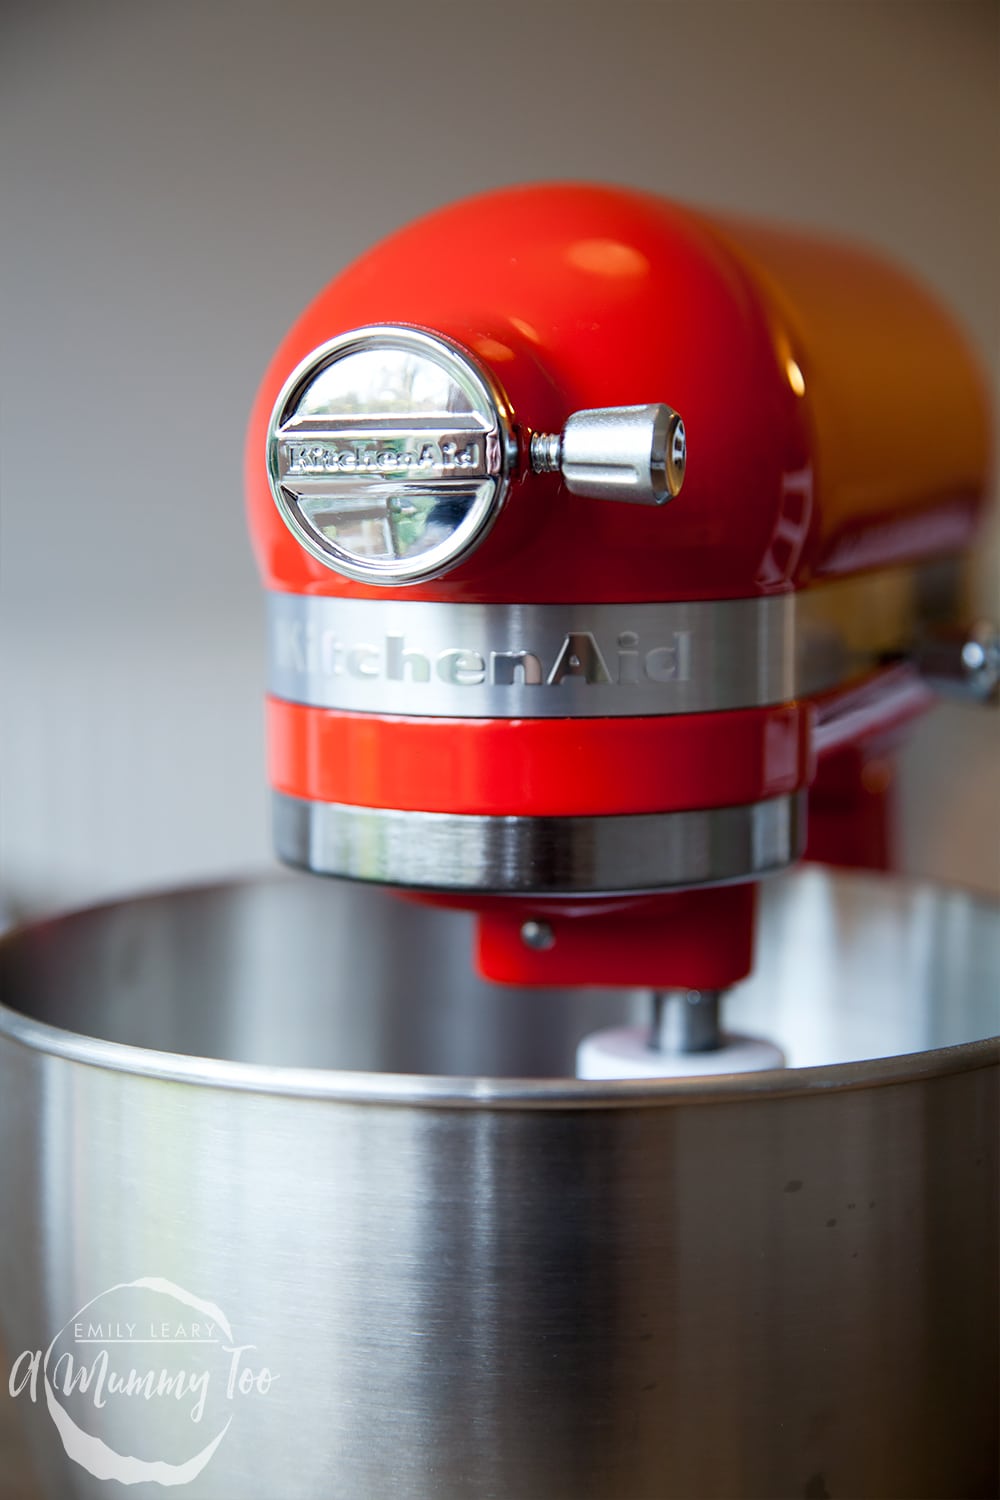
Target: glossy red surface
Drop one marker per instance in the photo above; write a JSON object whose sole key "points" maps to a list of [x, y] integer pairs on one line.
{"points": [[852, 808], [700, 940], [858, 733], [539, 767], [835, 419]]}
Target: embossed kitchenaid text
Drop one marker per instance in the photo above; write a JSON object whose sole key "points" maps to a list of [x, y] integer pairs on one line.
{"points": [[313, 460], [303, 648], [492, 660]]}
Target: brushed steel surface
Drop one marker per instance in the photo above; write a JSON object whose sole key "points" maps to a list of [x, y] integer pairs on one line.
{"points": [[404, 656], [397, 656], [476, 1277], [632, 453], [468, 852]]}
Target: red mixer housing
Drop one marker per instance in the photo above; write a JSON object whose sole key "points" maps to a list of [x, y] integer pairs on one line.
{"points": [[596, 723]]}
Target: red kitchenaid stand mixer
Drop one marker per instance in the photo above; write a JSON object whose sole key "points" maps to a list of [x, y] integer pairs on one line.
{"points": [[585, 662]]}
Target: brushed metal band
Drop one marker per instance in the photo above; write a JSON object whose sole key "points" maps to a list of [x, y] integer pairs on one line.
{"points": [[498, 661], [541, 856], [530, 660]]}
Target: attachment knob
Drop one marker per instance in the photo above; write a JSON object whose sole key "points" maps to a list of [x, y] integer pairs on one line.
{"points": [[634, 453]]}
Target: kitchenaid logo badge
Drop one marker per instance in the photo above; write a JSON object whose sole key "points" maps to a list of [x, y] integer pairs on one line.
{"points": [[143, 1382], [303, 649], [313, 460]]}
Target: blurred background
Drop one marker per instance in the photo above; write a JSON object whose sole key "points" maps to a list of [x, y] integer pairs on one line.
{"points": [[179, 180]]}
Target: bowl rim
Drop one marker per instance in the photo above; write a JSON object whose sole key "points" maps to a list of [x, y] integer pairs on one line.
{"points": [[428, 1090]]}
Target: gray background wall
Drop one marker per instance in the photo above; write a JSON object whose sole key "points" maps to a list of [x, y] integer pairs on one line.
{"points": [[179, 179]]}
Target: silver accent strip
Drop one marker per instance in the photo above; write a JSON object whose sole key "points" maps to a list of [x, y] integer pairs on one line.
{"points": [[541, 856], [548, 661], [530, 660]]}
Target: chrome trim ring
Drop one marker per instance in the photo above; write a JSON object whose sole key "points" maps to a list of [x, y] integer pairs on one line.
{"points": [[541, 856], [497, 661], [577, 660]]}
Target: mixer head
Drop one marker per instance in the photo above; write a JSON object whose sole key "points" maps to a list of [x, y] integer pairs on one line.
{"points": [[596, 722]]}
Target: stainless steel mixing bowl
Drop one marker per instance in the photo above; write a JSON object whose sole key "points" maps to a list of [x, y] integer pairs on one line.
{"points": [[288, 1103]]}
